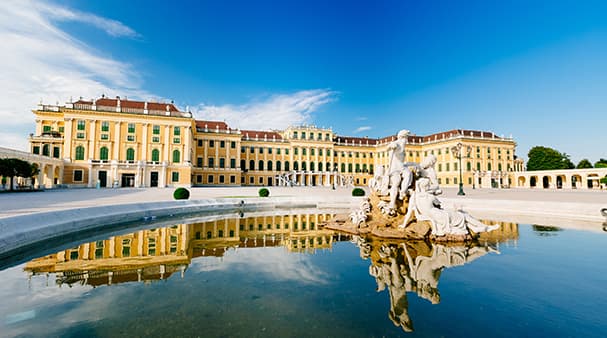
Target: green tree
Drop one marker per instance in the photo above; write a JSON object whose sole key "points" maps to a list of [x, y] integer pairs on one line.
{"points": [[602, 163], [584, 164], [14, 167], [544, 158]]}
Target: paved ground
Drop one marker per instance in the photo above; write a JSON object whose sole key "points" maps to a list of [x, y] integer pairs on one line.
{"points": [[22, 203]]}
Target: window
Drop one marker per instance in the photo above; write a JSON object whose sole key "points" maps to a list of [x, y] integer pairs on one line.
{"points": [[304, 151], [36, 150], [488, 166], [79, 153], [233, 163], [303, 135], [105, 137], [156, 130], [46, 128], [242, 164], [252, 165], [222, 179], [287, 151], [176, 156], [130, 154], [270, 165], [56, 152], [210, 178], [232, 180], [278, 166], [251, 180], [294, 134], [468, 166], [222, 162], [242, 149], [312, 152], [343, 167], [349, 167], [199, 162], [175, 176], [103, 153], [46, 150], [81, 124], [61, 129], [176, 140], [252, 150], [211, 143], [261, 180], [212, 162], [296, 151], [287, 166], [478, 166], [233, 145], [447, 167], [155, 139], [261, 150], [269, 150], [440, 167], [126, 247], [278, 151], [80, 135], [78, 174], [131, 128], [155, 155], [105, 126], [260, 165], [176, 131], [295, 165], [130, 138], [198, 178], [222, 144]]}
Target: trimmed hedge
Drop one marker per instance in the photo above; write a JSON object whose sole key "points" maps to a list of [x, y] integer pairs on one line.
{"points": [[181, 194], [358, 192], [263, 192]]}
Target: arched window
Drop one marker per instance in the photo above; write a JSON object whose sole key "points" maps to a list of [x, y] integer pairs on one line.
{"points": [[287, 166], [270, 165], [468, 166], [103, 153], [328, 166], [312, 166], [176, 156], [130, 154], [499, 166], [79, 153], [295, 165], [155, 155], [260, 165], [343, 167], [488, 166], [46, 150], [349, 167], [252, 165], [278, 166], [478, 166], [304, 166], [319, 166]]}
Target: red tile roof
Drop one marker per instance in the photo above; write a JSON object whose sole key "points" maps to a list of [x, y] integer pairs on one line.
{"points": [[355, 140], [261, 135], [211, 125], [124, 103]]}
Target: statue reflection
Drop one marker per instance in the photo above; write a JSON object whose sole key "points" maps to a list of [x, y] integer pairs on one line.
{"points": [[415, 266]]}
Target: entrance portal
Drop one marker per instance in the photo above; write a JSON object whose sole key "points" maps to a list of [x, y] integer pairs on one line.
{"points": [[153, 179], [102, 177], [128, 180]]}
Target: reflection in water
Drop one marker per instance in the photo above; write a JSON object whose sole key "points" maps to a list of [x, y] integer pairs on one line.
{"points": [[545, 230], [416, 266], [156, 254]]}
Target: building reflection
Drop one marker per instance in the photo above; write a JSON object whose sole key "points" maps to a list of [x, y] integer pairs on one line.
{"points": [[156, 254], [416, 266]]}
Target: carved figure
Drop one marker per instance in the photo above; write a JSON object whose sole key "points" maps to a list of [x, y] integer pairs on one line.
{"points": [[456, 222], [400, 177]]}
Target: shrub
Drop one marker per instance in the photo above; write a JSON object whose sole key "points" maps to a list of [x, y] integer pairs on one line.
{"points": [[181, 194], [263, 192], [358, 192]]}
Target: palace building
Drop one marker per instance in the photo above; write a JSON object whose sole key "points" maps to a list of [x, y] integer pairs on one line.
{"points": [[116, 142]]}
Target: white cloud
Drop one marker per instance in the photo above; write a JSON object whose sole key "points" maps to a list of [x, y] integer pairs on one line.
{"points": [[361, 118], [362, 128], [272, 112], [40, 61]]}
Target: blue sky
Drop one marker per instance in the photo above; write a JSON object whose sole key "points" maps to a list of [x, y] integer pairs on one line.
{"points": [[533, 70]]}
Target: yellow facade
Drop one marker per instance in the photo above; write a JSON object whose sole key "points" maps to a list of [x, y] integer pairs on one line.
{"points": [[122, 143]]}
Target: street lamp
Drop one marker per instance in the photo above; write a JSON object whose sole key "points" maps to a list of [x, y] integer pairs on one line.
{"points": [[458, 151]]}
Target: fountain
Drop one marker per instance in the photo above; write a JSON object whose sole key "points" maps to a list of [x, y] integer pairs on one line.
{"points": [[404, 204]]}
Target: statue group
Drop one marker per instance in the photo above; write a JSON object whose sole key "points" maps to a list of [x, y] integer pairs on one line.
{"points": [[405, 194]]}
